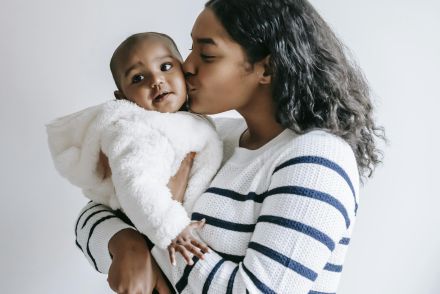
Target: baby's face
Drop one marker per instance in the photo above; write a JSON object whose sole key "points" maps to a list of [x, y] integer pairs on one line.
{"points": [[151, 76]]}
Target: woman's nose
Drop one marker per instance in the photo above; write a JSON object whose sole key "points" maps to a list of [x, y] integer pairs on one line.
{"points": [[189, 66]]}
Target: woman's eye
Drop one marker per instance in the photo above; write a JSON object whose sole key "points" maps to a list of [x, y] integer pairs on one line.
{"points": [[137, 78], [206, 57], [166, 67]]}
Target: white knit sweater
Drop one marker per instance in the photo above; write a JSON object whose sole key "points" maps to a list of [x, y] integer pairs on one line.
{"points": [[279, 218]]}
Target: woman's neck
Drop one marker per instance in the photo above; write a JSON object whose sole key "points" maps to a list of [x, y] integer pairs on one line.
{"points": [[261, 124]]}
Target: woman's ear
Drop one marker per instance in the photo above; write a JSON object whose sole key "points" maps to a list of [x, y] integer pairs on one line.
{"points": [[265, 72], [118, 95]]}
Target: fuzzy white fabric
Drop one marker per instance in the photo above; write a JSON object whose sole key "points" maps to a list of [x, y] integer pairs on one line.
{"points": [[145, 149]]}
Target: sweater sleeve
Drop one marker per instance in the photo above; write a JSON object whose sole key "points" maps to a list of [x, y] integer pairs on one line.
{"points": [[309, 206], [95, 226]]}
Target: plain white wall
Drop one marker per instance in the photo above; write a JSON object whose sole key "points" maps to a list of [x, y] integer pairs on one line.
{"points": [[54, 60]]}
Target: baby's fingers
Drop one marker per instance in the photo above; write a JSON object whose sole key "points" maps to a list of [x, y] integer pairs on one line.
{"points": [[195, 250], [185, 253], [200, 245], [198, 224]]}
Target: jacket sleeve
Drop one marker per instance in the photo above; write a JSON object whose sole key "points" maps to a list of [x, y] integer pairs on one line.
{"points": [[141, 160], [309, 206]]}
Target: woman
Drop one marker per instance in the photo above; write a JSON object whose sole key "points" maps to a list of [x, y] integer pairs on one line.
{"points": [[280, 212]]}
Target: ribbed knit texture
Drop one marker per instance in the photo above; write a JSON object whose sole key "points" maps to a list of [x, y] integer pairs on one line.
{"points": [[278, 219]]}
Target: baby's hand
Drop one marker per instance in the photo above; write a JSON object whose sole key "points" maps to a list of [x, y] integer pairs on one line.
{"points": [[186, 243]]}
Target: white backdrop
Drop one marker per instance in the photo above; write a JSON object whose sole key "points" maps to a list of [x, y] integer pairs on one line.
{"points": [[54, 59]]}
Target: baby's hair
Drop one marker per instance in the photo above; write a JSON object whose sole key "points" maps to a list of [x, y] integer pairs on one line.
{"points": [[134, 40]]}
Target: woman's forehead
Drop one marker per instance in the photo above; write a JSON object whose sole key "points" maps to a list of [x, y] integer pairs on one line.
{"points": [[208, 29]]}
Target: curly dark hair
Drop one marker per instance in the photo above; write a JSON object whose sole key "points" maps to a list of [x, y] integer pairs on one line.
{"points": [[314, 83]]}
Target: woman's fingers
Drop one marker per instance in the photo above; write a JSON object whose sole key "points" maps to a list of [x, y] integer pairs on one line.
{"points": [[172, 253], [162, 287], [179, 181]]}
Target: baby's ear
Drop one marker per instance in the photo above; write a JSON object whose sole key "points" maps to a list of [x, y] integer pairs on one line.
{"points": [[118, 95]]}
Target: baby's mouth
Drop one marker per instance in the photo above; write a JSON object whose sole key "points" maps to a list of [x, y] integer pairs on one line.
{"points": [[161, 97]]}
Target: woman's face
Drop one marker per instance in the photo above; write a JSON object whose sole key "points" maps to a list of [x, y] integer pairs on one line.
{"points": [[219, 76]]}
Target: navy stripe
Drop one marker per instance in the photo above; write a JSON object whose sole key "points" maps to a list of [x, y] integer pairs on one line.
{"points": [[211, 276], [91, 215], [90, 235], [333, 267], [181, 284], [306, 192], [77, 222], [300, 227], [249, 228], [284, 260], [316, 292], [261, 286], [344, 241], [231, 281], [259, 198], [230, 257], [324, 162]]}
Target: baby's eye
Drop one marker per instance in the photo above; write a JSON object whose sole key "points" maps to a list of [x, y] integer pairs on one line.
{"points": [[137, 78], [166, 66]]}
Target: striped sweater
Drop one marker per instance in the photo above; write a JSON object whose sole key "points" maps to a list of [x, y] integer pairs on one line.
{"points": [[278, 219]]}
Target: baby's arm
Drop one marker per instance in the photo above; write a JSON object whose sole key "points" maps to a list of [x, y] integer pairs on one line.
{"points": [[140, 158], [186, 243]]}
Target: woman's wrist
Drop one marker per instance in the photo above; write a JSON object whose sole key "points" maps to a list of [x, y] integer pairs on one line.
{"points": [[127, 240]]}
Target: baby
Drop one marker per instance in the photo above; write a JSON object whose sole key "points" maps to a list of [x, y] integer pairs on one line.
{"points": [[124, 156]]}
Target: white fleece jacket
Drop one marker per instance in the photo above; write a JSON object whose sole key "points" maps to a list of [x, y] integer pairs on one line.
{"points": [[145, 149]]}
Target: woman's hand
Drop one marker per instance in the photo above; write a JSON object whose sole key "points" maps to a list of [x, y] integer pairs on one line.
{"points": [[103, 167], [133, 269], [179, 181]]}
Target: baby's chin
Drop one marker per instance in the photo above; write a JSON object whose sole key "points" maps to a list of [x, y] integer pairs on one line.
{"points": [[169, 103]]}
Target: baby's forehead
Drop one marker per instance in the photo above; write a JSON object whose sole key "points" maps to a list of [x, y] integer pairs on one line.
{"points": [[152, 46]]}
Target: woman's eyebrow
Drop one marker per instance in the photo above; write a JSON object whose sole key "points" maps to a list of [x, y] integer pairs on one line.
{"points": [[206, 41], [202, 41]]}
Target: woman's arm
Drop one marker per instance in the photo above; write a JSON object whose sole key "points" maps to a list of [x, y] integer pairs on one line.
{"points": [[95, 226], [102, 233], [113, 246], [308, 208]]}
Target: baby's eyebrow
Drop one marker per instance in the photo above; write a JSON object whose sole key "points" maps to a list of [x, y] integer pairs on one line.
{"points": [[127, 72], [163, 57], [130, 69]]}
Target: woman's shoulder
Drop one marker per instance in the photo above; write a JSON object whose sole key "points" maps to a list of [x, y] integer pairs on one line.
{"points": [[320, 141], [323, 146]]}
